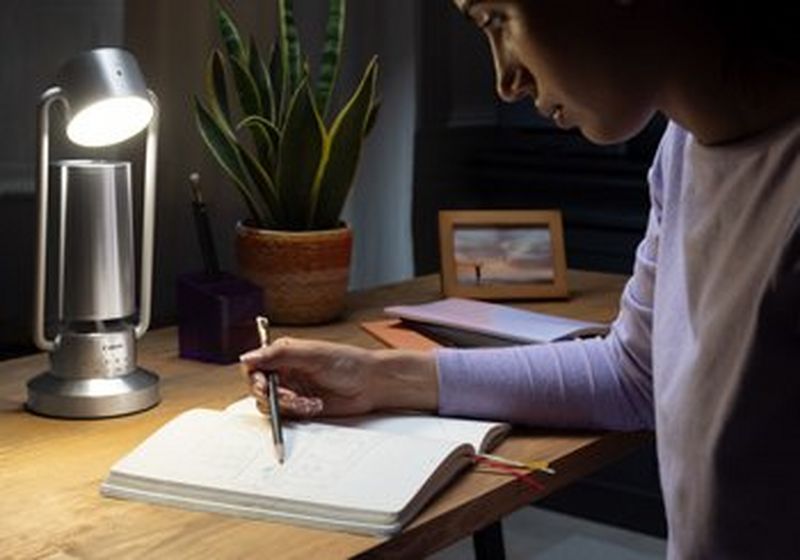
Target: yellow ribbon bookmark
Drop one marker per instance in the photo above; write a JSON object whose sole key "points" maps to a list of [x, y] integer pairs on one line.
{"points": [[542, 466]]}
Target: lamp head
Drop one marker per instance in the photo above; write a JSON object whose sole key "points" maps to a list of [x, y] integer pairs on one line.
{"points": [[106, 96]]}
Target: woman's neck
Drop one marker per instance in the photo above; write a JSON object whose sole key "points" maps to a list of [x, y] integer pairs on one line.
{"points": [[722, 97], [719, 115]]}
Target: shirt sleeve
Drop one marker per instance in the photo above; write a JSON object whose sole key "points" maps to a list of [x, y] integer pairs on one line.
{"points": [[601, 383]]}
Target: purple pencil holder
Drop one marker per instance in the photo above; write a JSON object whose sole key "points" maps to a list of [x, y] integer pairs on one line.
{"points": [[216, 316]]}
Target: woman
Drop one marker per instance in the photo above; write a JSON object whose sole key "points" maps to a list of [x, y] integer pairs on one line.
{"points": [[706, 348]]}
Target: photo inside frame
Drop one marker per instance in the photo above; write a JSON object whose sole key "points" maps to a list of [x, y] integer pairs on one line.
{"points": [[503, 254]]}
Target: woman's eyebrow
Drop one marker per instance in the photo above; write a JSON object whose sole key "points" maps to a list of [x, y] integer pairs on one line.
{"points": [[467, 6]]}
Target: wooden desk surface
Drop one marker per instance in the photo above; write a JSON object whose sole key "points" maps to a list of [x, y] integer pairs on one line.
{"points": [[50, 470]]}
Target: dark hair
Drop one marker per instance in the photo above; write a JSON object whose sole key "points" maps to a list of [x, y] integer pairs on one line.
{"points": [[763, 32]]}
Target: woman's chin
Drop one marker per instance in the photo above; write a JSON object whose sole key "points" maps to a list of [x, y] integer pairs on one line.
{"points": [[609, 134], [614, 127]]}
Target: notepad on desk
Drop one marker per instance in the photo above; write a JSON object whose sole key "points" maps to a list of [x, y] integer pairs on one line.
{"points": [[469, 323], [369, 474]]}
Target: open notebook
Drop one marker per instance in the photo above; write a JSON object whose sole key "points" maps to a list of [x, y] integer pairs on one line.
{"points": [[368, 474], [467, 323]]}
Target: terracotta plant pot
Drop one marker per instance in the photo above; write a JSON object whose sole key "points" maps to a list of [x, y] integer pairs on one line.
{"points": [[304, 274]]}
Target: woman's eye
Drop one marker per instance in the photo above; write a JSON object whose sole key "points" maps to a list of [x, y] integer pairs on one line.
{"points": [[493, 21]]}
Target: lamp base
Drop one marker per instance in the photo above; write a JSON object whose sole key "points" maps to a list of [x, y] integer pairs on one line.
{"points": [[60, 397]]}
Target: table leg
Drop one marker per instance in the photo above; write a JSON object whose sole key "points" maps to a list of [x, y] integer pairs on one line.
{"points": [[488, 542]]}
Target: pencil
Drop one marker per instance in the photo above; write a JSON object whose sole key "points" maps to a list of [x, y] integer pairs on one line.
{"points": [[272, 381], [203, 227]]}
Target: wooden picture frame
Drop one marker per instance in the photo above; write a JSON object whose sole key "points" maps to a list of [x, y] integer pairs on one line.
{"points": [[502, 254]]}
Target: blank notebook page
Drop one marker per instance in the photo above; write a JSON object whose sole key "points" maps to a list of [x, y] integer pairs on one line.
{"points": [[335, 467]]}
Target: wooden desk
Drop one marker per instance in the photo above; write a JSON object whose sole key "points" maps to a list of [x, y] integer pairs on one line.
{"points": [[50, 470]]}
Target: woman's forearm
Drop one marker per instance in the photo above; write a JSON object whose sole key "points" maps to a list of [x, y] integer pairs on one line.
{"points": [[405, 379]]}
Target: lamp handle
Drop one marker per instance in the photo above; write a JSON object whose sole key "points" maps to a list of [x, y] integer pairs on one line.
{"points": [[148, 220], [49, 97]]}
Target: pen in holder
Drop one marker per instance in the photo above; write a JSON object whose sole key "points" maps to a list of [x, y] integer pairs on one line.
{"points": [[203, 227], [216, 309]]}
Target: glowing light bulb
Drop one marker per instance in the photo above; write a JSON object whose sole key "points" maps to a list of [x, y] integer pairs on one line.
{"points": [[110, 121]]}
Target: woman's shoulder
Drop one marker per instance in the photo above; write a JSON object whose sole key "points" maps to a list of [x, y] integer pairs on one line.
{"points": [[670, 155]]}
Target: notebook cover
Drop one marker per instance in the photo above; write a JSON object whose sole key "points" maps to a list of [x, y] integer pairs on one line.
{"points": [[394, 335]]}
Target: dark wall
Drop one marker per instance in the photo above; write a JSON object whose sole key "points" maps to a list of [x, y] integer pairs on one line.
{"points": [[35, 39], [602, 195], [17, 229]]}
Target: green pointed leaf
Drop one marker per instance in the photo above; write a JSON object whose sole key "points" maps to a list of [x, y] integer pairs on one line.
{"points": [[249, 97], [279, 84], [300, 156], [331, 53], [290, 44], [261, 77], [372, 117], [261, 140], [264, 183], [216, 86], [230, 34], [225, 151], [343, 149], [267, 135]]}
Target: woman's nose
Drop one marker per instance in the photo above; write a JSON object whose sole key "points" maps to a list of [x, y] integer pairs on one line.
{"points": [[512, 84]]}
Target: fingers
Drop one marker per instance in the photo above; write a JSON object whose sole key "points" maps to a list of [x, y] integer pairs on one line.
{"points": [[267, 355], [288, 353], [258, 383], [292, 405], [302, 408], [316, 377], [278, 357], [297, 406], [255, 378]]}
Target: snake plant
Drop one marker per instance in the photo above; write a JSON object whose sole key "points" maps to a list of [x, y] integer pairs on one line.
{"points": [[291, 156]]}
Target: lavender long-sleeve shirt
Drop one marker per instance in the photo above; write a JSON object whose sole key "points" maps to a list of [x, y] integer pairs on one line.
{"points": [[705, 350]]}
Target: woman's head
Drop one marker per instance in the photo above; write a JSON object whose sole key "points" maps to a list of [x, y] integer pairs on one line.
{"points": [[580, 61], [606, 66]]}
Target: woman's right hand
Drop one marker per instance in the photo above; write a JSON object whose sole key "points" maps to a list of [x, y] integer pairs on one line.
{"points": [[318, 378]]}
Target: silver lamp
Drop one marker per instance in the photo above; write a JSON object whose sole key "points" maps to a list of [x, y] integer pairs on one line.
{"points": [[93, 371]]}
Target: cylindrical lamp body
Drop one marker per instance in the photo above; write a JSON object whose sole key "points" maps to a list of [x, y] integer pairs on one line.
{"points": [[96, 260]]}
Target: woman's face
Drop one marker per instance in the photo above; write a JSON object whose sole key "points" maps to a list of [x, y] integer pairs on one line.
{"points": [[584, 63]]}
